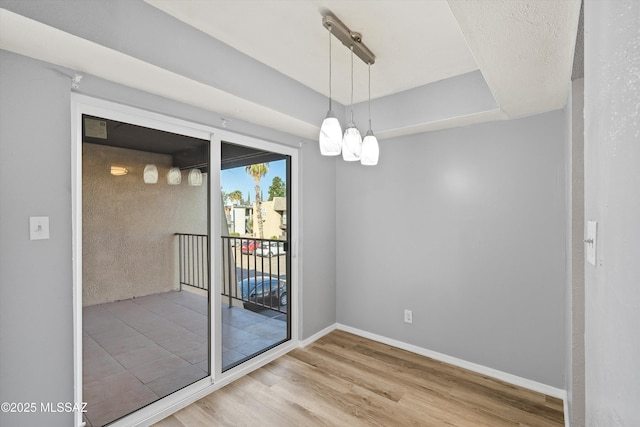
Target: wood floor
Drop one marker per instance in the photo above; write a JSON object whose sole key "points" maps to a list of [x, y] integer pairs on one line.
{"points": [[346, 380]]}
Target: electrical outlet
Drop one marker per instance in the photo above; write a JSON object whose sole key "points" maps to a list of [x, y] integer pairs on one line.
{"points": [[408, 316]]}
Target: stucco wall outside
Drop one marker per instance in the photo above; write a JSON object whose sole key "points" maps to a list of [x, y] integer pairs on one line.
{"points": [[129, 247]]}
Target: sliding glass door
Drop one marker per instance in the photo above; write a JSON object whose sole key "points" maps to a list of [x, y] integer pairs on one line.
{"points": [[175, 283], [256, 256], [145, 276]]}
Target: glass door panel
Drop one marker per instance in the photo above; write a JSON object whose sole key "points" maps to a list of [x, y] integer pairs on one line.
{"points": [[255, 252], [145, 278]]}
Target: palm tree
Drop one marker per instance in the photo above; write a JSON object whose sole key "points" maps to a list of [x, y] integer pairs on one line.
{"points": [[257, 171], [235, 196]]}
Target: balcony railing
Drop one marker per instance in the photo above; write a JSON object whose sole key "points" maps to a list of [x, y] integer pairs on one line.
{"points": [[193, 259], [255, 272]]}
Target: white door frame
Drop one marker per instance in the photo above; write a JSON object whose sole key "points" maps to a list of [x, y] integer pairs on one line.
{"points": [[82, 104]]}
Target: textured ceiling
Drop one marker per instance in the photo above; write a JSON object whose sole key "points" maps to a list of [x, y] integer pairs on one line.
{"points": [[439, 64], [524, 48], [578, 58], [416, 42]]}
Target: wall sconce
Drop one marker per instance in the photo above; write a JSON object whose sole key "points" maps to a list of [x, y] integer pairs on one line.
{"points": [[119, 170]]}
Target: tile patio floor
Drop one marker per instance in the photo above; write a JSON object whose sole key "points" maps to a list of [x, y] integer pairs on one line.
{"points": [[137, 351]]}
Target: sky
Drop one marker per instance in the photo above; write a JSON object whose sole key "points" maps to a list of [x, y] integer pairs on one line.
{"points": [[238, 179]]}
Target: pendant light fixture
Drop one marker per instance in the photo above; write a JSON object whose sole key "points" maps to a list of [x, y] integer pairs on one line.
{"points": [[195, 177], [174, 176], [353, 147], [150, 174], [352, 141], [330, 131], [370, 147]]}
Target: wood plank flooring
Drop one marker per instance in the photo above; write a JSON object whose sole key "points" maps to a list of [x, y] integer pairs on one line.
{"points": [[346, 380]]}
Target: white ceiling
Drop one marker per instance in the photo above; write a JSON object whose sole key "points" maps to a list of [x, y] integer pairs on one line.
{"points": [[522, 48], [415, 42]]}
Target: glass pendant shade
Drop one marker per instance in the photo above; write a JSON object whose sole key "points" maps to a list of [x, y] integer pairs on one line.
{"points": [[195, 177], [150, 174], [174, 176], [330, 132], [352, 140], [330, 136], [370, 149], [351, 143]]}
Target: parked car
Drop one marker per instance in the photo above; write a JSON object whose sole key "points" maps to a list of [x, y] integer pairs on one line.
{"points": [[264, 290], [270, 249], [248, 246]]}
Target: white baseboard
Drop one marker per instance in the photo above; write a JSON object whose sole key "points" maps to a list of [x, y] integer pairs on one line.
{"points": [[480, 369], [317, 335]]}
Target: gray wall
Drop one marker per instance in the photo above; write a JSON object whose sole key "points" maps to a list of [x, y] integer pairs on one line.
{"points": [[480, 259], [36, 359], [575, 259], [612, 197], [36, 348], [318, 241]]}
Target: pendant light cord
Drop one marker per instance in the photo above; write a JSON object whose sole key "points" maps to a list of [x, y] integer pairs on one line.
{"points": [[369, 95], [352, 83], [330, 103]]}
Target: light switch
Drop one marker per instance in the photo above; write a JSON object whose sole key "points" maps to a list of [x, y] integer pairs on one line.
{"points": [[591, 241], [38, 227]]}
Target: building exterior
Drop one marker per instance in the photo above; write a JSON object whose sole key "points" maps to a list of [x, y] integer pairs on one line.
{"points": [[239, 219], [274, 216]]}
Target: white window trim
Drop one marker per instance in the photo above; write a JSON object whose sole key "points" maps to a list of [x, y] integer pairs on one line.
{"points": [[82, 104]]}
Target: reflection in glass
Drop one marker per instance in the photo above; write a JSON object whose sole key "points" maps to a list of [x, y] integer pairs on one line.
{"points": [[255, 257], [145, 332]]}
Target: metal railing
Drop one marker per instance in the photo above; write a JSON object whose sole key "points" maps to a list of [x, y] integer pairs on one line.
{"points": [[193, 259], [255, 272]]}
